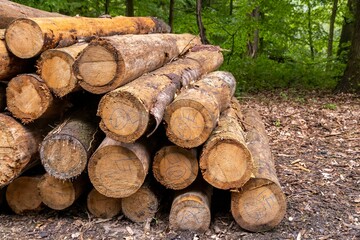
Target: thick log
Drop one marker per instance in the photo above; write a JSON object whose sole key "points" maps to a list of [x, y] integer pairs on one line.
{"points": [[60, 194], [110, 62], [55, 68], [261, 204], [194, 113], [118, 169], [175, 167], [28, 37], [64, 152], [127, 112], [102, 206], [22, 195], [225, 161]]}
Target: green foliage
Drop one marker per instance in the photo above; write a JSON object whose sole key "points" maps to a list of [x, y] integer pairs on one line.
{"points": [[330, 106]]}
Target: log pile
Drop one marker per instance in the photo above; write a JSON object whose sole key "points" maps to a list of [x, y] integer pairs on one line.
{"points": [[119, 106]]}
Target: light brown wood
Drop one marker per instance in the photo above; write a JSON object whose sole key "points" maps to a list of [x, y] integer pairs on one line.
{"points": [[55, 68], [194, 113], [226, 162], [110, 62], [127, 112], [28, 37], [118, 169], [260, 205], [22, 195], [102, 206], [60, 194], [175, 167]]}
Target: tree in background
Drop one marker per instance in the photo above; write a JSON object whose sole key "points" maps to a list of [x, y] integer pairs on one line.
{"points": [[129, 8]]}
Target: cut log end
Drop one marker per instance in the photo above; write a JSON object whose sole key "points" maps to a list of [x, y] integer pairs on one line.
{"points": [[28, 35], [102, 206]]}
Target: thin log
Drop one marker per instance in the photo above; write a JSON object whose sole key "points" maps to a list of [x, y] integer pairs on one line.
{"points": [[55, 68], [194, 113], [175, 167], [127, 113], [118, 169], [225, 161], [260, 205], [102, 206], [22, 195], [28, 37], [110, 62]]}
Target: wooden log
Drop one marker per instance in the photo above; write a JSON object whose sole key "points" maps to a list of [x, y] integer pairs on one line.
{"points": [[194, 113], [22, 195], [225, 161], [127, 113], [3, 86], [118, 169], [28, 37], [261, 204], [55, 68], [60, 194], [190, 209], [64, 152], [175, 167], [102, 206], [110, 62]]}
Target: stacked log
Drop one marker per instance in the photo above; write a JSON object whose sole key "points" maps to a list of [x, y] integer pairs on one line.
{"points": [[102, 206]]}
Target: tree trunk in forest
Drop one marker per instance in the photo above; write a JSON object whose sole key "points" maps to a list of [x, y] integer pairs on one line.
{"points": [[129, 8], [199, 22], [127, 112], [107, 5], [331, 30], [10, 11], [346, 34], [171, 15], [310, 31], [22, 195], [226, 162], [110, 62], [29, 37], [350, 82], [254, 39], [231, 7], [260, 204], [194, 113], [102, 206], [55, 68], [175, 167]]}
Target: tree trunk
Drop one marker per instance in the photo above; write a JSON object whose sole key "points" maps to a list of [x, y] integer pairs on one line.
{"points": [[346, 33], [260, 205], [231, 7], [331, 30], [110, 62], [10, 11], [102, 206], [129, 8], [22, 195], [253, 42], [107, 4], [226, 162], [55, 68], [194, 113], [127, 112], [310, 31], [171, 15], [175, 167], [27, 38], [65, 150], [118, 169], [199, 22]]}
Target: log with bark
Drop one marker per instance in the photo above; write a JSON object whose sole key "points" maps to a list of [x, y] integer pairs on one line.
{"points": [[225, 161], [110, 62], [28, 37], [102, 206], [127, 113], [194, 113], [118, 169], [260, 205], [55, 68]]}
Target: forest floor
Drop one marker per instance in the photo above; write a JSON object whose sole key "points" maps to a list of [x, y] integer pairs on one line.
{"points": [[315, 140]]}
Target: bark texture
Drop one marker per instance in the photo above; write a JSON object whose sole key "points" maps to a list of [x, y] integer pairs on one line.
{"points": [[102, 206]]}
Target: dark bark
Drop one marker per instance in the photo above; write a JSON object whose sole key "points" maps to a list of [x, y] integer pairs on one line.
{"points": [[310, 32], [129, 8], [253, 42], [171, 15], [346, 34], [331, 30], [231, 7], [200, 24], [107, 4]]}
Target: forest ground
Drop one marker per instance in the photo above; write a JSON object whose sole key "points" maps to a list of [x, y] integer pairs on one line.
{"points": [[315, 140]]}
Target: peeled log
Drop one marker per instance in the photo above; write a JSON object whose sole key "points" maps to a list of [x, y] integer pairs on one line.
{"points": [[175, 167], [194, 113], [102, 206], [22, 195], [226, 162], [110, 62], [261, 204], [59, 194], [118, 169], [28, 37], [55, 68], [127, 112]]}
